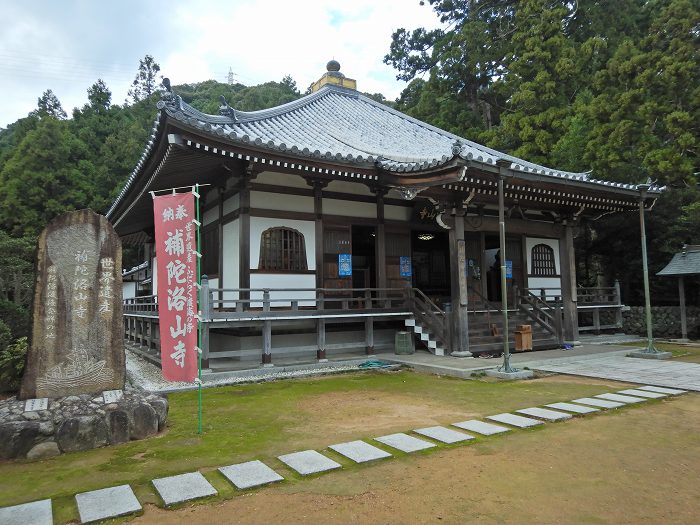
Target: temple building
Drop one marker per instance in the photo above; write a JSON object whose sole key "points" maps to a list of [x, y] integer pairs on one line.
{"points": [[333, 221]]}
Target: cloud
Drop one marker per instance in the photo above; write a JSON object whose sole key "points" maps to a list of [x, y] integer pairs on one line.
{"points": [[67, 46]]}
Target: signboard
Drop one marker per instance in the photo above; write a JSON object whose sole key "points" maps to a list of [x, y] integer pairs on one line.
{"points": [[344, 264], [509, 269], [462, 260], [405, 267], [177, 284]]}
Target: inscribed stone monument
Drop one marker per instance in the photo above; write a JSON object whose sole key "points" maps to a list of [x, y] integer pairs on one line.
{"points": [[77, 341]]}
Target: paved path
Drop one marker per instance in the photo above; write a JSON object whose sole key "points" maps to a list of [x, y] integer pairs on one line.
{"points": [[674, 374]]}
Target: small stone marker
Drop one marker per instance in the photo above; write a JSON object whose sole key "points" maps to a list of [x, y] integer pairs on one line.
{"points": [[446, 435], [642, 393], [32, 405], [112, 396], [620, 399], [308, 462], [570, 407], [183, 487], [250, 474], [543, 413], [77, 343], [359, 451], [516, 421], [480, 427], [663, 390], [106, 503], [34, 513], [404, 442], [602, 403]]}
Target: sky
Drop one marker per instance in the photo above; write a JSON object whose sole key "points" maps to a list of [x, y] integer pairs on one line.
{"points": [[67, 45]]}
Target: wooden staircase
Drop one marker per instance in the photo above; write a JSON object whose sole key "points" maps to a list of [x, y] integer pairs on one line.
{"points": [[482, 341]]}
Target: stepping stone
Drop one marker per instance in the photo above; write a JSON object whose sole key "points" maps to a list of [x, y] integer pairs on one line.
{"points": [[642, 393], [516, 421], [183, 487], [621, 399], [404, 442], [663, 390], [36, 513], [480, 427], [106, 503], [446, 435], [543, 413], [308, 462], [359, 451], [602, 403], [570, 407], [250, 474]]}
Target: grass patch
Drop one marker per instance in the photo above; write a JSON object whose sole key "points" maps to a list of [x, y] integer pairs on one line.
{"points": [[262, 421]]}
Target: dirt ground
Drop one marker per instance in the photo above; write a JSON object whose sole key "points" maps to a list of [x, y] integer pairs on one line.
{"points": [[638, 465]]}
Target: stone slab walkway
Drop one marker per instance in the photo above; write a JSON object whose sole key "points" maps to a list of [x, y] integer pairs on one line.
{"points": [[404, 442], [443, 434], [516, 421], [308, 462], [673, 374], [359, 451], [250, 474], [480, 427], [36, 513], [543, 413], [570, 407], [183, 487], [106, 503], [601, 403]]}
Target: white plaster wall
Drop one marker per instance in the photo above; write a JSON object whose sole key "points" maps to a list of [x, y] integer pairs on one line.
{"points": [[128, 290], [154, 265], [344, 186], [260, 224], [231, 259], [281, 202], [397, 213], [349, 208], [232, 204], [544, 282], [281, 280], [282, 179]]}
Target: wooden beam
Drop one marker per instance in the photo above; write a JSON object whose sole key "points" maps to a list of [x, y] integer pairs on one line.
{"points": [[458, 283], [568, 284], [380, 241], [681, 296], [244, 235]]}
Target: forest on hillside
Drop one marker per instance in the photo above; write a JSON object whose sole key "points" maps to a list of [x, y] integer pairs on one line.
{"points": [[612, 87]]}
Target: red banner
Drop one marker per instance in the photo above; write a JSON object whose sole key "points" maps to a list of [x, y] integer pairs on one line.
{"points": [[177, 285]]}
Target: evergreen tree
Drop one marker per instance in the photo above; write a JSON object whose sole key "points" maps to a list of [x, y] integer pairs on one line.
{"points": [[147, 80], [48, 105]]}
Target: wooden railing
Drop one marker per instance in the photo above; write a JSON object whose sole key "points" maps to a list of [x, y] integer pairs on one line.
{"points": [[593, 301], [547, 314], [429, 314]]}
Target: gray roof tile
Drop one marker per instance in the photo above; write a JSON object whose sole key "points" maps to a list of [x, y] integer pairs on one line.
{"points": [[684, 263]]}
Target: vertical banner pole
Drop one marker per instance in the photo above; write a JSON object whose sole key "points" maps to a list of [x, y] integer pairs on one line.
{"points": [[199, 310]]}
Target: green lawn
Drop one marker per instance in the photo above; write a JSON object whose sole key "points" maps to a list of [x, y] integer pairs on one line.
{"points": [[261, 421]]}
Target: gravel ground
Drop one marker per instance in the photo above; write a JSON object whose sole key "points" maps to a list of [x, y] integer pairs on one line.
{"points": [[142, 374]]}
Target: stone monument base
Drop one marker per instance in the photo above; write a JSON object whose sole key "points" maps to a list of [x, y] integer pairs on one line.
{"points": [[81, 422], [650, 355]]}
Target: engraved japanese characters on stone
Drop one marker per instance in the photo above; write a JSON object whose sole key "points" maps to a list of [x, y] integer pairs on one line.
{"points": [[77, 335]]}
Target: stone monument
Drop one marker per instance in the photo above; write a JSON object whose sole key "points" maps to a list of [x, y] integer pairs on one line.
{"points": [[77, 343]]}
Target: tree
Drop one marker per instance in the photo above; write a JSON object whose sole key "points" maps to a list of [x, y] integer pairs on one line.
{"points": [[99, 97], [48, 105], [146, 81]]}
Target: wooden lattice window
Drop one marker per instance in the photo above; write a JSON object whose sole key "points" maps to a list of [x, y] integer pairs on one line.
{"points": [[543, 264], [282, 249]]}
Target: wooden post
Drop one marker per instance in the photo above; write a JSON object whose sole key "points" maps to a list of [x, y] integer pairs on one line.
{"points": [[244, 236], [568, 285], [321, 340], [220, 234], [460, 323], [681, 296], [618, 302], [205, 317], [318, 186], [596, 321], [369, 335], [205, 345], [380, 241]]}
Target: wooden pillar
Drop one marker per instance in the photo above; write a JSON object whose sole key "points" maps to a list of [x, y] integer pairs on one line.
{"points": [[205, 308], [568, 284], [220, 235], [318, 186], [380, 241], [618, 302], [369, 335], [458, 280], [321, 340], [244, 235], [681, 296]]}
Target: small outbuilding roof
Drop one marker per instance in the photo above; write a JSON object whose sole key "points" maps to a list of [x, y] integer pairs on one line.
{"points": [[686, 262]]}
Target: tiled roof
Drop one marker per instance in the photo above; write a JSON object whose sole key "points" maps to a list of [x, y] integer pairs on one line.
{"points": [[684, 263], [336, 124]]}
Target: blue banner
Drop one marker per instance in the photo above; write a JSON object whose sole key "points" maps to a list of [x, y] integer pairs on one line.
{"points": [[405, 267], [509, 269], [344, 265]]}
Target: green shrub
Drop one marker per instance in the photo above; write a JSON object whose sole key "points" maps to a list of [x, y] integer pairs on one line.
{"points": [[12, 359], [16, 317]]}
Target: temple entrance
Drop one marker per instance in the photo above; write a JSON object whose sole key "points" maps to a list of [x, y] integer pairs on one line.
{"points": [[431, 264], [364, 265], [492, 266]]}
